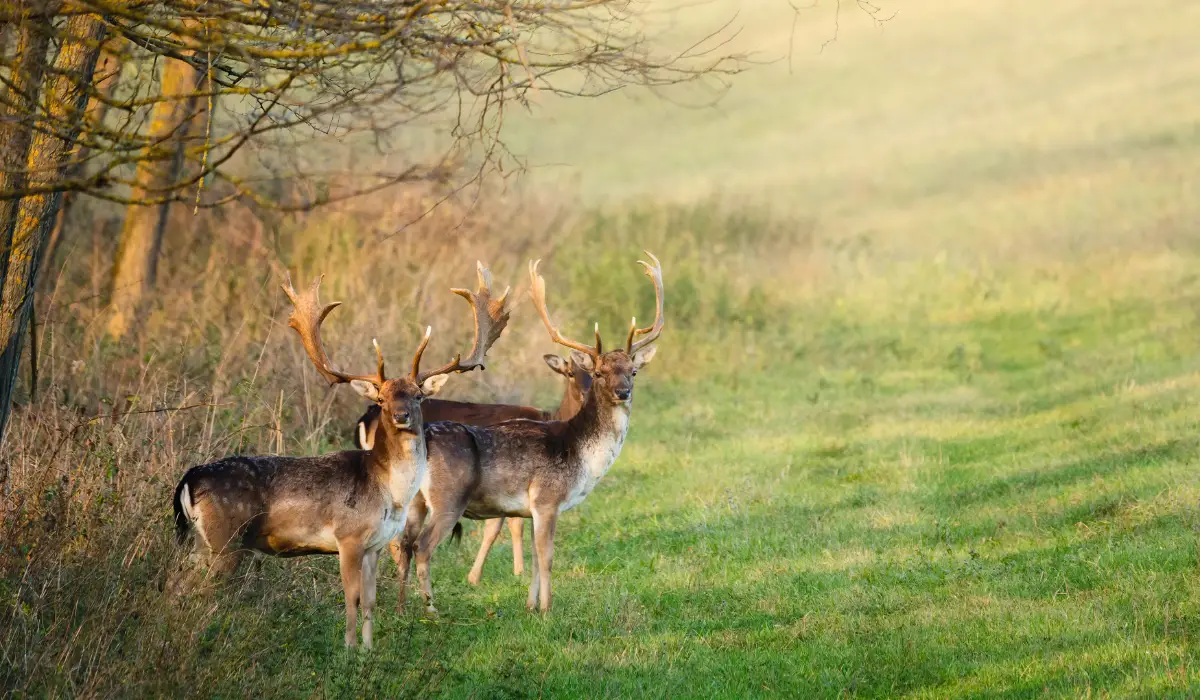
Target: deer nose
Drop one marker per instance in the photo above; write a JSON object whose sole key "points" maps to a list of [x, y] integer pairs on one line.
{"points": [[400, 418], [622, 394]]}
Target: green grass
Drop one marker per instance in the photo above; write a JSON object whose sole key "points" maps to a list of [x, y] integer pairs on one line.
{"points": [[940, 485], [922, 424]]}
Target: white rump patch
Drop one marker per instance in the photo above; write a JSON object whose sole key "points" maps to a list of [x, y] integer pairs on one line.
{"points": [[193, 514]]}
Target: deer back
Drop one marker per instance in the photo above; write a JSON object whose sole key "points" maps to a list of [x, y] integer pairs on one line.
{"points": [[281, 505], [435, 410]]}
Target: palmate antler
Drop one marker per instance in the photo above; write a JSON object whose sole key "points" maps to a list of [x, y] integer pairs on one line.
{"points": [[306, 318], [491, 318]]}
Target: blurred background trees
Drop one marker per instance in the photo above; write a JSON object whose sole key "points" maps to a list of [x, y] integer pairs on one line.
{"points": [[203, 104]]}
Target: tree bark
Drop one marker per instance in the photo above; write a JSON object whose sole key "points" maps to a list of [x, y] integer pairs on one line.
{"points": [[18, 111], [106, 74], [141, 237], [65, 98]]}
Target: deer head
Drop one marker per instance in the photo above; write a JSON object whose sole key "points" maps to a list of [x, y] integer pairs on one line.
{"points": [[399, 398], [612, 372], [579, 380]]}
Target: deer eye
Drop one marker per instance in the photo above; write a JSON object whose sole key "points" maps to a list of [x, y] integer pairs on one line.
{"points": [[635, 372]]}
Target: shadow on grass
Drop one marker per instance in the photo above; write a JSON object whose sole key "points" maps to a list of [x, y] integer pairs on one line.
{"points": [[1065, 473], [661, 612]]}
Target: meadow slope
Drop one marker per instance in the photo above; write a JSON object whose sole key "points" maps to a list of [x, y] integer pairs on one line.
{"points": [[922, 424]]}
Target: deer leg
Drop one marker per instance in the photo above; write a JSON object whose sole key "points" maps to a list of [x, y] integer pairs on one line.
{"points": [[491, 530], [370, 575], [222, 564], [535, 585], [218, 547], [439, 528], [516, 528], [404, 547], [350, 557], [189, 571], [544, 523]]}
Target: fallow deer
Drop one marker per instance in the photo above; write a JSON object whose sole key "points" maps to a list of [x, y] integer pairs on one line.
{"points": [[526, 468], [435, 410], [348, 503]]}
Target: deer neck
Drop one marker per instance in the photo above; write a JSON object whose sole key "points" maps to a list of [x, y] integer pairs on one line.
{"points": [[398, 461], [598, 433], [572, 401]]}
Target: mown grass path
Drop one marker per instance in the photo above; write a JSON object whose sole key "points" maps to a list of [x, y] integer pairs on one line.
{"points": [[963, 485]]}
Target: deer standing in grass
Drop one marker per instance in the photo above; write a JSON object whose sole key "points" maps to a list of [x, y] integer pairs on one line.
{"points": [[348, 503], [526, 468], [575, 389]]}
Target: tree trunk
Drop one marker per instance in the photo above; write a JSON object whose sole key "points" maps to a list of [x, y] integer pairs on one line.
{"points": [[141, 237], [107, 71], [65, 98], [18, 111]]}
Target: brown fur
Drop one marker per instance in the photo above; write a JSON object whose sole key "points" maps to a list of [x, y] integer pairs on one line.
{"points": [[519, 468], [347, 503], [350, 503], [575, 388], [534, 469]]}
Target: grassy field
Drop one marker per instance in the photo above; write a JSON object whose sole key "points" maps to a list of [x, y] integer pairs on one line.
{"points": [[935, 484], [922, 424]]}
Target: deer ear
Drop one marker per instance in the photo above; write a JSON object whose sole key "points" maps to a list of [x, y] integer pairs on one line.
{"points": [[366, 390], [582, 360], [642, 357], [434, 384], [557, 364]]}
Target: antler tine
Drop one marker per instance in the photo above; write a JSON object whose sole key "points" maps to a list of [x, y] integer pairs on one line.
{"points": [[632, 332], [537, 291], [306, 317], [654, 272], [416, 363], [379, 356], [491, 318]]}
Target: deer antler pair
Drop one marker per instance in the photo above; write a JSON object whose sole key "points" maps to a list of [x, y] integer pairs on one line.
{"points": [[490, 320], [537, 291]]}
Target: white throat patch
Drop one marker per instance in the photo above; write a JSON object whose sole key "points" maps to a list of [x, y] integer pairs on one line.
{"points": [[597, 456]]}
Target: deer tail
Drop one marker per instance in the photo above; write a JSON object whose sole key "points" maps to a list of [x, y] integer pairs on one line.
{"points": [[183, 511]]}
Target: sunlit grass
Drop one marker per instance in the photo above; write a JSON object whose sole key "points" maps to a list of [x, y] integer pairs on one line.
{"points": [[923, 422]]}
